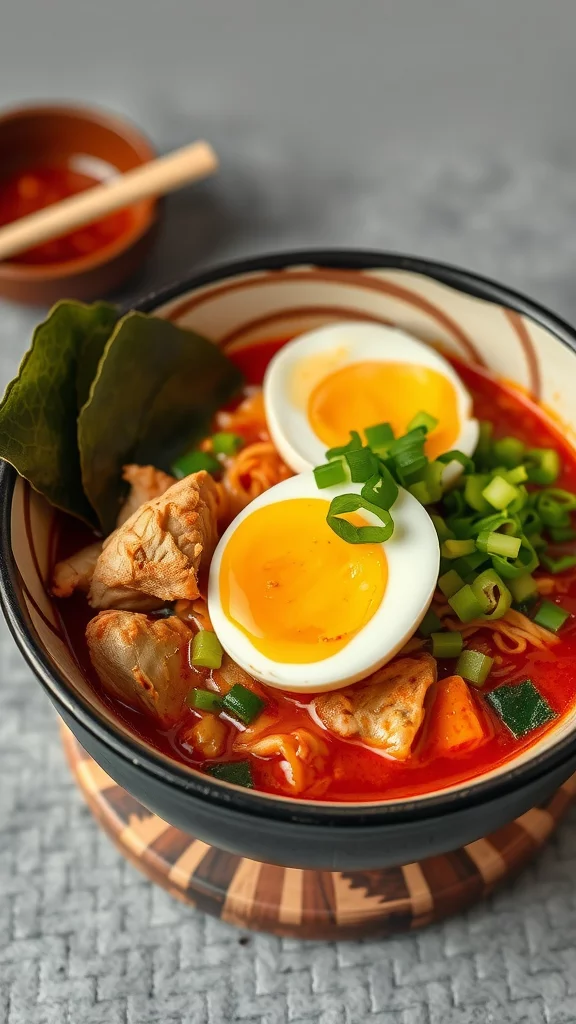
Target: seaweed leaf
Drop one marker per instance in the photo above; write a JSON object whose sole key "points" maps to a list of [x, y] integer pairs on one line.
{"points": [[155, 392], [40, 406]]}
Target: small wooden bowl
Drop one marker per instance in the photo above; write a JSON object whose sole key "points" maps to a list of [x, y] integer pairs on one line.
{"points": [[33, 136]]}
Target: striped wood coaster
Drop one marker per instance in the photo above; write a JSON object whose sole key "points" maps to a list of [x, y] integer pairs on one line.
{"points": [[310, 904]]}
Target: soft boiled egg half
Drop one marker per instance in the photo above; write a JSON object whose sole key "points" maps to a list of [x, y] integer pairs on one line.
{"points": [[349, 376], [302, 609]]}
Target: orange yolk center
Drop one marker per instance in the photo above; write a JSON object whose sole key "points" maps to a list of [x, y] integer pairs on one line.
{"points": [[362, 394], [297, 590]]}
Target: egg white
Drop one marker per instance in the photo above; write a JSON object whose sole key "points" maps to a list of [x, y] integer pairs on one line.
{"points": [[342, 344], [413, 558]]}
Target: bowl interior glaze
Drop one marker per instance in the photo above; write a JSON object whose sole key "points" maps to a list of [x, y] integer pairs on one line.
{"points": [[238, 305]]}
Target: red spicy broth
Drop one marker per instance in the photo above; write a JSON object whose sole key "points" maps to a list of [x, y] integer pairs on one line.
{"points": [[355, 773]]}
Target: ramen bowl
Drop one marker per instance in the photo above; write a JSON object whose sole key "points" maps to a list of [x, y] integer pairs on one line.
{"points": [[239, 304]]}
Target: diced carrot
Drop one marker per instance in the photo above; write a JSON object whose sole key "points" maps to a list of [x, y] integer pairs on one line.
{"points": [[454, 721]]}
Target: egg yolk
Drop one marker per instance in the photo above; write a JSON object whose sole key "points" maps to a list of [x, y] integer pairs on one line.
{"points": [[362, 394], [297, 590]]}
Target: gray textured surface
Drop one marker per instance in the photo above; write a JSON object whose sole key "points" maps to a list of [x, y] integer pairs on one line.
{"points": [[440, 128]]}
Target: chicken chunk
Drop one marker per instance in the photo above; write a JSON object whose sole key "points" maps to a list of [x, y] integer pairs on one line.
{"points": [[146, 483], [384, 711], [154, 557], [75, 573], [142, 661]]}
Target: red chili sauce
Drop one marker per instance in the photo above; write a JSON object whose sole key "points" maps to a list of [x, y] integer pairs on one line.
{"points": [[28, 191], [356, 773]]}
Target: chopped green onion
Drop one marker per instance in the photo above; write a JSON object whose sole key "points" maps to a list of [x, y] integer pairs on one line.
{"points": [[362, 464], [499, 493], [379, 436], [450, 583], [484, 447], [466, 605], [490, 591], [564, 498], [530, 521], [237, 772], [430, 624], [551, 616], [543, 465], [463, 527], [519, 501], [562, 534], [411, 439], [193, 462], [473, 488], [226, 443], [474, 666], [456, 456], [204, 700], [420, 491], [457, 548], [446, 645], [354, 443], [454, 503], [508, 452], [409, 462], [518, 475], [358, 534], [523, 589], [206, 650], [526, 561], [521, 707], [443, 531], [423, 419], [495, 543], [381, 489], [556, 565], [432, 477], [242, 703], [551, 511], [330, 474], [470, 563]]}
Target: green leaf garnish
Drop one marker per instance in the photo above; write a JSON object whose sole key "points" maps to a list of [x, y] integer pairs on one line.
{"points": [[40, 407], [156, 389]]}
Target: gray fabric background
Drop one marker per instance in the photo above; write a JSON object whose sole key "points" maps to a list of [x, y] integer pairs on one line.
{"points": [[444, 129]]}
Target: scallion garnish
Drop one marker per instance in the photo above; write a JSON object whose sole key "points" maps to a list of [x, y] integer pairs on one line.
{"points": [[226, 443], [446, 644], [456, 456], [543, 465], [466, 605], [206, 650], [354, 443], [362, 464], [204, 700], [474, 666], [508, 452], [423, 419], [242, 703], [499, 493], [457, 548], [379, 436], [492, 592], [450, 582], [193, 462], [330, 474], [381, 489], [430, 624], [358, 534], [556, 565], [551, 616], [495, 543]]}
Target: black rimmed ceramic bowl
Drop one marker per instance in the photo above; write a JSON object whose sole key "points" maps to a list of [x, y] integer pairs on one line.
{"points": [[236, 305]]}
